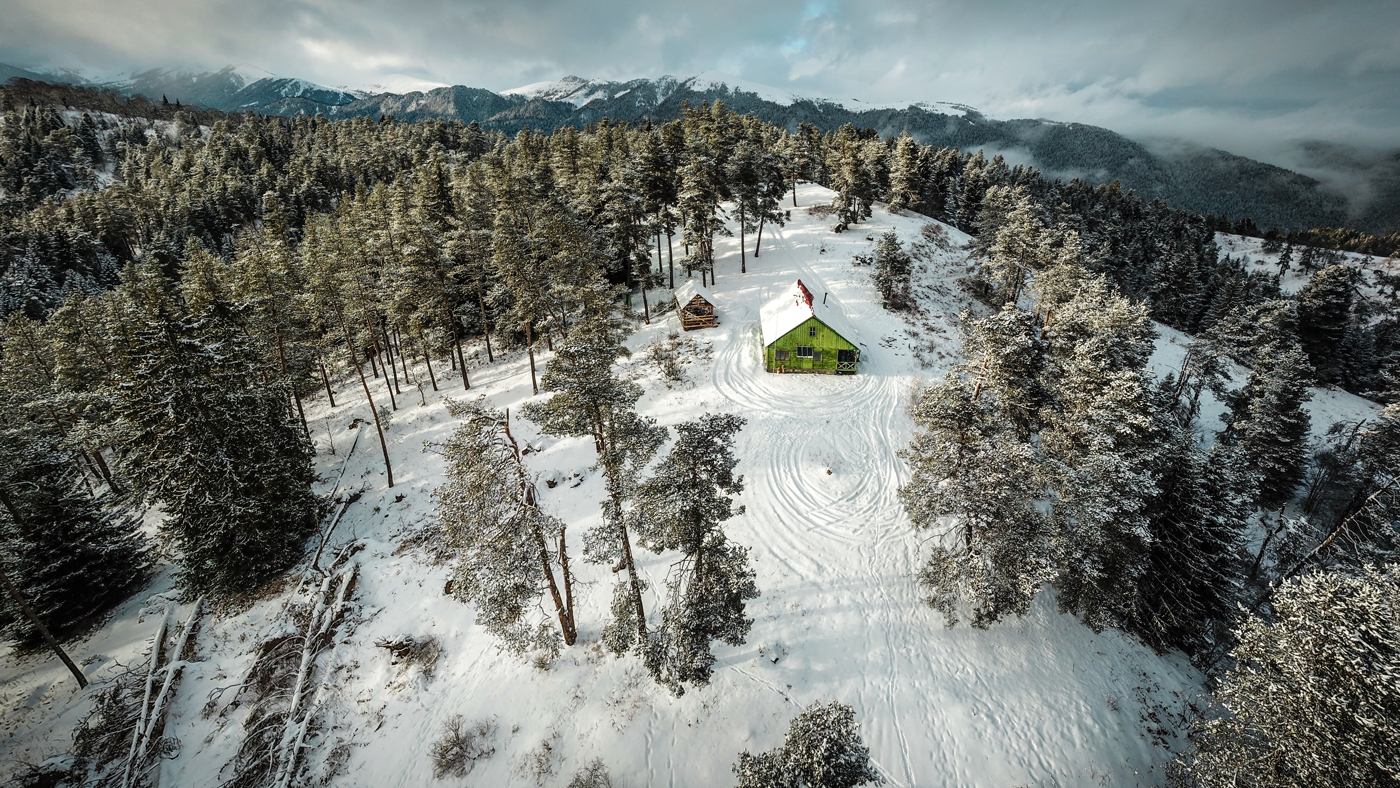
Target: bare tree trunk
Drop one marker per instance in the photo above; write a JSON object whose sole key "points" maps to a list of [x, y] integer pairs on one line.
{"points": [[1263, 548], [794, 191], [671, 260], [759, 242], [743, 261], [23, 604], [530, 348], [485, 326], [461, 360], [326, 380], [403, 357], [384, 445], [563, 606], [388, 356], [646, 310], [428, 357]]}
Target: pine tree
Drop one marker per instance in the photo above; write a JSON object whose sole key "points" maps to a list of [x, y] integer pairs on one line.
{"points": [[1098, 440], [682, 507], [906, 175], [589, 399], [1268, 423], [892, 271], [1015, 248], [1312, 698], [1187, 598], [1324, 309], [199, 431], [507, 546], [822, 749], [71, 555], [852, 179], [972, 485]]}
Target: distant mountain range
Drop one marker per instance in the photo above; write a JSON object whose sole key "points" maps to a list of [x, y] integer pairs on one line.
{"points": [[1185, 175]]}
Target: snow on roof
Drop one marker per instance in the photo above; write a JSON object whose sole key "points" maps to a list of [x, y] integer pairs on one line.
{"points": [[795, 306], [688, 290]]}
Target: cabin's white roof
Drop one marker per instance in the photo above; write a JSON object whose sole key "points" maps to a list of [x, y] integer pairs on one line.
{"points": [[688, 290], [795, 306]]}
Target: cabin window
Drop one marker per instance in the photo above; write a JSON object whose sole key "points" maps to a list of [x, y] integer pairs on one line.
{"points": [[816, 357], [811, 331], [804, 351], [782, 355]]}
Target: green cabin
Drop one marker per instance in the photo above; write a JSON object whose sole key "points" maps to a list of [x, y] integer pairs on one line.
{"points": [[803, 333]]}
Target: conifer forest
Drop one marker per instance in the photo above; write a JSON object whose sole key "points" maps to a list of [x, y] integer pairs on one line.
{"points": [[320, 436]]}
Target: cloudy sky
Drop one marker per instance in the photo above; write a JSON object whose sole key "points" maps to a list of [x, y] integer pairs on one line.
{"points": [[1245, 75]]}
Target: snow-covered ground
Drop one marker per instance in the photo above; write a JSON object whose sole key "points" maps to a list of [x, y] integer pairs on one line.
{"points": [[1037, 701], [1251, 250]]}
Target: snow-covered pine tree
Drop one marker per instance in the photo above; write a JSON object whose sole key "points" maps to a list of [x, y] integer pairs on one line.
{"points": [[200, 431], [822, 749], [1324, 309], [1189, 594], [745, 178], [854, 183], [906, 175], [470, 247], [423, 292], [510, 552], [27, 286], [1098, 441], [773, 181], [70, 554], [589, 399], [331, 284], [1312, 699], [1014, 248], [972, 485], [683, 507], [702, 187], [1268, 423], [892, 271]]}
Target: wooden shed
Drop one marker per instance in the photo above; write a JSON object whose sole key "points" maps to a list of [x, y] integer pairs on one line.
{"points": [[695, 305], [803, 332]]}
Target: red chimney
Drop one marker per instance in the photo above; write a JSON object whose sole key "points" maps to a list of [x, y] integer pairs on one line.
{"points": [[806, 294]]}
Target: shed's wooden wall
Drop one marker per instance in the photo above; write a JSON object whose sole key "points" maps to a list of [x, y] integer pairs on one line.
{"points": [[826, 341]]}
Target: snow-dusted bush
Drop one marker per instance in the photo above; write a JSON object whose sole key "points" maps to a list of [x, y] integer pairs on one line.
{"points": [[823, 749]]}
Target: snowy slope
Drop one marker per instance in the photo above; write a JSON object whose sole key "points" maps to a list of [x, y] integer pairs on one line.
{"points": [[1039, 701], [1251, 250]]}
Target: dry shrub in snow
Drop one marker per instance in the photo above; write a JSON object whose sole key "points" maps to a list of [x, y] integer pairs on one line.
{"points": [[408, 651], [594, 775], [937, 236], [461, 746]]}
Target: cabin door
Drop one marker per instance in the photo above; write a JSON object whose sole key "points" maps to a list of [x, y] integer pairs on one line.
{"points": [[845, 361]]}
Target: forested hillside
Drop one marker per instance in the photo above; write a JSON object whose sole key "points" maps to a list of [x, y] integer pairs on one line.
{"points": [[176, 290]]}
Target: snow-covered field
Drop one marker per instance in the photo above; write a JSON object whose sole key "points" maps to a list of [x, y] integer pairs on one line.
{"points": [[1037, 701]]}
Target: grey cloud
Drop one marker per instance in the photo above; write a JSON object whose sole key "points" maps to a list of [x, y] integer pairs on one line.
{"points": [[1248, 76]]}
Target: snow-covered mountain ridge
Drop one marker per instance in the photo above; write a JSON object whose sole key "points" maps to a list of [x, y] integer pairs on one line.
{"points": [[1185, 176]]}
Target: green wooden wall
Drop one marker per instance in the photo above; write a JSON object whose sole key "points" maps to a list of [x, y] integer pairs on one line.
{"points": [[826, 341]]}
